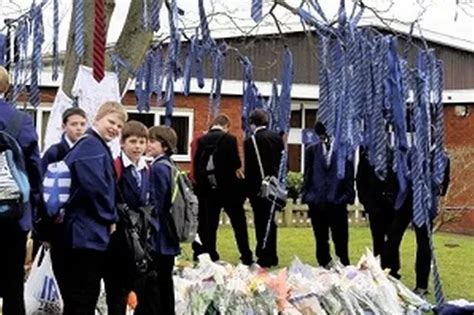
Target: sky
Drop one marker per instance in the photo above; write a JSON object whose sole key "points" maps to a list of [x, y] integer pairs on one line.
{"points": [[440, 20]]}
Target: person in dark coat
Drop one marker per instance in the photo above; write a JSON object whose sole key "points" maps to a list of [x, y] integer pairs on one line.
{"points": [[270, 145], [402, 219], [74, 125], [156, 296], [90, 214], [219, 185], [378, 198], [13, 232], [327, 197], [133, 190]]}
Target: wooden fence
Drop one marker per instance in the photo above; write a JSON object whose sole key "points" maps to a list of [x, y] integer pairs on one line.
{"points": [[295, 214]]}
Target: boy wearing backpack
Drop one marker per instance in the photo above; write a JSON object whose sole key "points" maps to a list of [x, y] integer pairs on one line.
{"points": [[157, 296], [74, 126], [90, 212], [133, 190], [218, 186], [19, 144]]}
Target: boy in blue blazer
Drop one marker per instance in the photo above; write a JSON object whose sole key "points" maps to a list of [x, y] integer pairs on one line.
{"points": [[157, 296], [74, 125], [133, 184], [327, 197], [90, 212], [13, 231]]}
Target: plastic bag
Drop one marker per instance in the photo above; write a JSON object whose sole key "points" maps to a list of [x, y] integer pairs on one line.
{"points": [[42, 294]]}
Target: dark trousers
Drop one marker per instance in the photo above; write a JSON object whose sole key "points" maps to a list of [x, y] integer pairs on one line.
{"points": [[156, 294], [423, 257], [401, 221], [83, 271], [117, 275], [267, 255], [380, 220], [12, 261], [210, 206], [332, 218]]}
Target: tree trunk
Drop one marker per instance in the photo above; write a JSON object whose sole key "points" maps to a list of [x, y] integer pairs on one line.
{"points": [[133, 42], [70, 63]]}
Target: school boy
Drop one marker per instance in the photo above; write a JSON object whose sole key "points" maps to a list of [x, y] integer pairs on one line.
{"points": [[13, 231], [90, 213], [74, 126], [157, 295], [327, 197], [133, 188]]}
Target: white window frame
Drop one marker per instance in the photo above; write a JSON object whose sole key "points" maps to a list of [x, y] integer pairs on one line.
{"points": [[43, 107], [177, 112], [157, 112]]}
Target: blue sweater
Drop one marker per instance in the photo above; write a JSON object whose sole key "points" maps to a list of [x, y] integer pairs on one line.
{"points": [[160, 197], [55, 153], [28, 141], [321, 184], [91, 208]]}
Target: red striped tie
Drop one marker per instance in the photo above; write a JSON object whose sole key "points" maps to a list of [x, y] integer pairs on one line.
{"points": [[98, 56]]}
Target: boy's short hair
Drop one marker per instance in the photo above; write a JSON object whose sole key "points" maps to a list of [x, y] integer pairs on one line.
{"points": [[110, 108], [73, 111], [134, 128], [4, 80], [166, 135], [258, 117], [221, 120]]}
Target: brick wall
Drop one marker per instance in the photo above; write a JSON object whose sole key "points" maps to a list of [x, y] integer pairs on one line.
{"points": [[459, 139]]}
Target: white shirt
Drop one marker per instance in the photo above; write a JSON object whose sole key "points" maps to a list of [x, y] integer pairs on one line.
{"points": [[141, 164], [259, 128], [68, 141]]}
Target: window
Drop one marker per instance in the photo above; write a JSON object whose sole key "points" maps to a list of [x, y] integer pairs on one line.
{"points": [[310, 118], [148, 119], [181, 125], [182, 122]]}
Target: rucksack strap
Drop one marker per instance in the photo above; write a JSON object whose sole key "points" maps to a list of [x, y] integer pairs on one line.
{"points": [[13, 127], [259, 159]]}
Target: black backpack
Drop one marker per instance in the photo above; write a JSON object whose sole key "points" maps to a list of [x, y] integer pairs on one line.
{"points": [[182, 219], [14, 184], [207, 167], [135, 230]]}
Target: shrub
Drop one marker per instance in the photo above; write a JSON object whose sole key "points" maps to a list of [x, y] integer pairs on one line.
{"points": [[295, 183]]}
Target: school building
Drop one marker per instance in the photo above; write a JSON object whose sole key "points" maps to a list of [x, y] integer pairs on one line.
{"points": [[265, 52]]}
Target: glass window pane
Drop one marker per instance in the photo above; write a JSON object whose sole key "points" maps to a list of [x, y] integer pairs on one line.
{"points": [[148, 119], [44, 124], [310, 117], [181, 125], [295, 120]]}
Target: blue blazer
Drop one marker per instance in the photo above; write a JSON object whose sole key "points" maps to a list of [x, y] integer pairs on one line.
{"points": [[321, 184], [28, 141], [133, 195], [160, 197], [91, 208], [55, 153]]}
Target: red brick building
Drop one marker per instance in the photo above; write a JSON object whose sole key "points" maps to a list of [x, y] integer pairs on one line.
{"points": [[191, 114]]}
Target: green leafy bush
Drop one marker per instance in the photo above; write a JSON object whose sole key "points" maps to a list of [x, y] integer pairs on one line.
{"points": [[295, 183]]}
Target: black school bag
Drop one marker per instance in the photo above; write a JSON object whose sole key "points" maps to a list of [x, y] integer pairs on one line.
{"points": [[134, 230], [182, 219]]}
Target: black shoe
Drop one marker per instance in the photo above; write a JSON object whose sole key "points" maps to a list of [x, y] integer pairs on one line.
{"points": [[421, 292], [267, 263], [247, 261]]}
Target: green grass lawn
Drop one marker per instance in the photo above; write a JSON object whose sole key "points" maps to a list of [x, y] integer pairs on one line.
{"points": [[456, 260]]}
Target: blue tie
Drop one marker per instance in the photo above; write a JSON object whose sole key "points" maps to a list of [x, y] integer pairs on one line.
{"points": [[137, 175]]}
